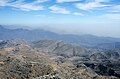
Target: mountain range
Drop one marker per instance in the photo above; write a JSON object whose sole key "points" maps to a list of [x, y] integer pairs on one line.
{"points": [[41, 54], [50, 59], [38, 34]]}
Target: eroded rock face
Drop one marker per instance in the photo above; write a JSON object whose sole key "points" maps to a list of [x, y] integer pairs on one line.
{"points": [[24, 62], [60, 48], [98, 61]]}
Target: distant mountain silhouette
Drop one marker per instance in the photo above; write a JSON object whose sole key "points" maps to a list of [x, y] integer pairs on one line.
{"points": [[38, 34]]}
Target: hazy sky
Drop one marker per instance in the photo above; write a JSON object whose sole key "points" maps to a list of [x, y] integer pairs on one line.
{"points": [[99, 17]]}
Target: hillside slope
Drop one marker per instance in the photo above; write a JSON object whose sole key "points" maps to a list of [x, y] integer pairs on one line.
{"points": [[21, 61]]}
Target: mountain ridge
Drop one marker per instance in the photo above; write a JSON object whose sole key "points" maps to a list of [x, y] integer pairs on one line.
{"points": [[38, 34]]}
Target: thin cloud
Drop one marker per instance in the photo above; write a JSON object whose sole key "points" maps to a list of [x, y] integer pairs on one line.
{"points": [[27, 6], [4, 2], [39, 1], [90, 5], [116, 9], [62, 1], [22, 5], [102, 0], [58, 9], [78, 13], [87, 5]]}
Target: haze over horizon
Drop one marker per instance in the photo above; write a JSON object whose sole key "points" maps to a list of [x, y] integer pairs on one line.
{"points": [[76, 30], [96, 17]]}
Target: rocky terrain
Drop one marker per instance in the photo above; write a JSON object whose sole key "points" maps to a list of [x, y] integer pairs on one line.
{"points": [[50, 59]]}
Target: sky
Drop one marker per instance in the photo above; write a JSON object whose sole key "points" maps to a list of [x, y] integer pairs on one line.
{"points": [[98, 17]]}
